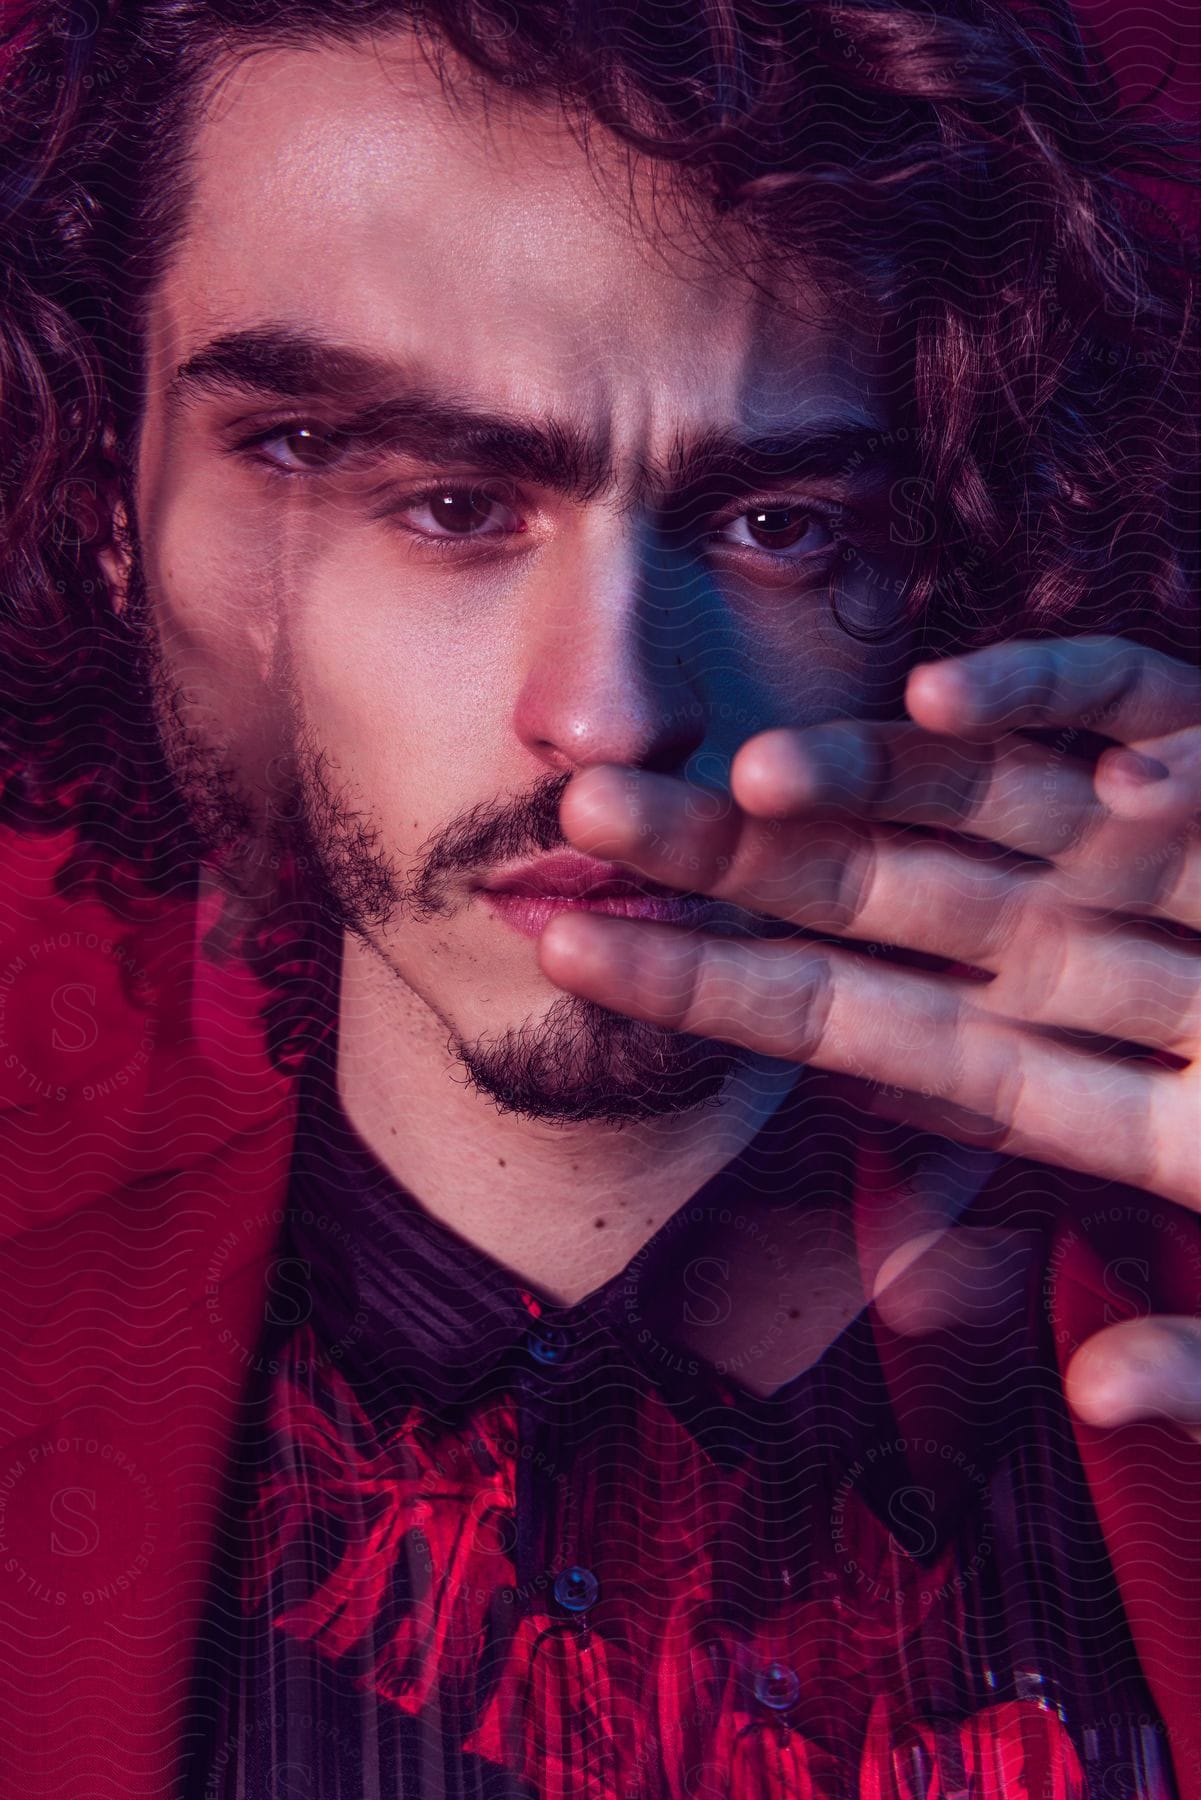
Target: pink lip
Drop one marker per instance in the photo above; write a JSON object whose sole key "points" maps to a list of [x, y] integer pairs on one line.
{"points": [[529, 896], [528, 913], [568, 875]]}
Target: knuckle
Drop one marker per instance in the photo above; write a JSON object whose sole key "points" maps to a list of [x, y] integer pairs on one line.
{"points": [[1003, 1084], [798, 1018], [1040, 959], [852, 873]]}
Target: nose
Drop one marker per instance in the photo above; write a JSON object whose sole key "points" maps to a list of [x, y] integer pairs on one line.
{"points": [[610, 653]]}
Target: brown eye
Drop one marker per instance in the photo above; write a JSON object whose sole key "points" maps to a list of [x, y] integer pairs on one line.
{"points": [[781, 529], [459, 512], [301, 449]]}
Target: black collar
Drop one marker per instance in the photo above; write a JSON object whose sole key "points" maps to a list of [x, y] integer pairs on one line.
{"points": [[411, 1312]]}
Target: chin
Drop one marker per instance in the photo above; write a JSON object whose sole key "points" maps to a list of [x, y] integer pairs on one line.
{"points": [[581, 1064]]}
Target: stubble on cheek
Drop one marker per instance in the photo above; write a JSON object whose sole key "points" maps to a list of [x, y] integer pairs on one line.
{"points": [[273, 820]]}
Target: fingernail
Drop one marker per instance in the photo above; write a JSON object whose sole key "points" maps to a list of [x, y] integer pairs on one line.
{"points": [[1132, 766]]}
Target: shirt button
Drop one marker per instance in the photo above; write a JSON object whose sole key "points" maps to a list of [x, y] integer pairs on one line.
{"points": [[1032, 1684], [548, 1344], [576, 1589], [777, 1687]]}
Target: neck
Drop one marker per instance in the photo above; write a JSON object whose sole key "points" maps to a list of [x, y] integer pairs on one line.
{"points": [[565, 1207]]}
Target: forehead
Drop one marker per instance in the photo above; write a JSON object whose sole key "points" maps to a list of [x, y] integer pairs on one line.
{"points": [[342, 190]]}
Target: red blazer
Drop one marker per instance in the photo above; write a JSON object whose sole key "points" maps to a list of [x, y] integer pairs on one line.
{"points": [[144, 1161]]}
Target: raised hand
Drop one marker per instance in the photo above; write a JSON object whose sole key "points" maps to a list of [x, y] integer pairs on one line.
{"points": [[1064, 889]]}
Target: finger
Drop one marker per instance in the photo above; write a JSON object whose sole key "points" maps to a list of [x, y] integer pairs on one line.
{"points": [[690, 838], [1156, 791], [1016, 793], [1158, 779], [1099, 684], [1053, 965], [1141, 1369], [823, 875], [1066, 971], [1021, 797], [1125, 833], [816, 1004]]}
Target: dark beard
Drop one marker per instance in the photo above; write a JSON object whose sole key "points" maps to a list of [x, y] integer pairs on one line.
{"points": [[583, 1064], [316, 856]]}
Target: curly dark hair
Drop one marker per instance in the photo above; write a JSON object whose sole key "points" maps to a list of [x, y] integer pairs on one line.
{"points": [[969, 167]]}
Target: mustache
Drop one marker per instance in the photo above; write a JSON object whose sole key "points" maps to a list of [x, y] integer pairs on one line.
{"points": [[495, 831], [366, 887]]}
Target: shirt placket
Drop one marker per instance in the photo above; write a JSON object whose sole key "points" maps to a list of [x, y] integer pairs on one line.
{"points": [[570, 1672]]}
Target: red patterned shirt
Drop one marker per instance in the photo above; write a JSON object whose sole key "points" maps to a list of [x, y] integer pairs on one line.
{"points": [[480, 1545]]}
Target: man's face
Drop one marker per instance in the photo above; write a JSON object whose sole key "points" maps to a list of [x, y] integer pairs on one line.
{"points": [[480, 469]]}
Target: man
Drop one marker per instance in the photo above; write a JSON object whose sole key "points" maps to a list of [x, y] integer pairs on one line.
{"points": [[547, 481]]}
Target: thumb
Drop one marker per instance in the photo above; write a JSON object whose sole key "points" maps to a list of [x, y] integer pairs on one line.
{"points": [[1142, 1369]]}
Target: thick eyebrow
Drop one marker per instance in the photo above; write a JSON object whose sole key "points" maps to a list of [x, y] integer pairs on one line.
{"points": [[393, 406]]}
